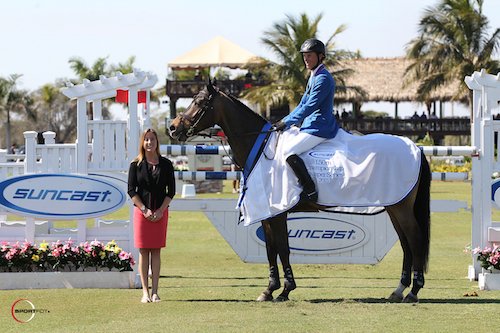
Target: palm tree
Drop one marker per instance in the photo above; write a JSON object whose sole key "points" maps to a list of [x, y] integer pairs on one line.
{"points": [[98, 68], [13, 100], [288, 76], [55, 112], [453, 43]]}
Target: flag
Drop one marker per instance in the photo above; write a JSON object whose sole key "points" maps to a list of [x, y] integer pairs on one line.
{"points": [[122, 96]]}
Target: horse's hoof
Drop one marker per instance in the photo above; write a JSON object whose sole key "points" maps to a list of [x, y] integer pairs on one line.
{"points": [[395, 298], [281, 298], [410, 298], [265, 298]]}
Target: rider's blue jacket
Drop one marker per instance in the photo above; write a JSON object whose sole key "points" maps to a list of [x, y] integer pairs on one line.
{"points": [[314, 114]]}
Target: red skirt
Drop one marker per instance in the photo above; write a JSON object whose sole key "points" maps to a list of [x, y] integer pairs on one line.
{"points": [[147, 234]]}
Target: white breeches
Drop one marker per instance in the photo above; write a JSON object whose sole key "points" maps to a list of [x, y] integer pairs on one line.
{"points": [[300, 143]]}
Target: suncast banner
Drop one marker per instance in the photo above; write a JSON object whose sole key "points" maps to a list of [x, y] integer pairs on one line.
{"points": [[60, 196], [313, 234]]}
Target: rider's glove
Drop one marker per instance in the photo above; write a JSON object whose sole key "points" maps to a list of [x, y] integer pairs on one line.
{"points": [[279, 126]]}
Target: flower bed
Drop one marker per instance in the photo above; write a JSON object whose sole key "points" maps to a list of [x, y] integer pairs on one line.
{"points": [[489, 258], [64, 257], [68, 280]]}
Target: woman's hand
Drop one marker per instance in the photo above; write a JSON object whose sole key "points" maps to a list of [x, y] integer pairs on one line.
{"points": [[156, 216], [149, 215]]}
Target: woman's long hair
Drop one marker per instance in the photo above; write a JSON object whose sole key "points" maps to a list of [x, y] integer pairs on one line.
{"points": [[142, 152]]}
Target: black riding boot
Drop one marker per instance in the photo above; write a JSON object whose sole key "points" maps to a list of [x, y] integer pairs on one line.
{"points": [[300, 170]]}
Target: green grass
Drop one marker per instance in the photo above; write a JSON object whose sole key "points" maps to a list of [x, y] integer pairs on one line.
{"points": [[206, 288]]}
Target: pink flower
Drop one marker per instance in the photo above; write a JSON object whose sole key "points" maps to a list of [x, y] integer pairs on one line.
{"points": [[124, 255], [495, 258], [9, 255]]}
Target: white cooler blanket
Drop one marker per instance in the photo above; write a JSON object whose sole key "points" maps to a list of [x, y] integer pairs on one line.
{"points": [[368, 171]]}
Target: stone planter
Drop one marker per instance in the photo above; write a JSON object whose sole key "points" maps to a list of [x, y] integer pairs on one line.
{"points": [[489, 279], [56, 280]]}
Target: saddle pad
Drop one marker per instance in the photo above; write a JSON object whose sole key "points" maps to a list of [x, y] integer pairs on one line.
{"points": [[374, 170]]}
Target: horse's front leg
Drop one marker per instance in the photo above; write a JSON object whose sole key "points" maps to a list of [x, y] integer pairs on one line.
{"points": [[272, 257], [280, 231]]}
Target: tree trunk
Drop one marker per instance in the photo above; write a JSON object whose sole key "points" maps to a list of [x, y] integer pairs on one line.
{"points": [[7, 130]]}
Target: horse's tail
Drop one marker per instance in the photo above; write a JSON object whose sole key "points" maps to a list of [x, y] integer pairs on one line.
{"points": [[421, 208]]}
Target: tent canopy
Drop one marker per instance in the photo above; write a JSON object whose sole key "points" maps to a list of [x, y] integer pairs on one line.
{"points": [[218, 52]]}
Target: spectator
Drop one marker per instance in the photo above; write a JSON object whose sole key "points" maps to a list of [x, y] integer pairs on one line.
{"points": [[197, 76], [344, 114], [13, 149], [236, 182]]}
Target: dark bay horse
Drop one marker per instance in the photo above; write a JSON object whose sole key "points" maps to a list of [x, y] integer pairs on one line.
{"points": [[410, 217]]}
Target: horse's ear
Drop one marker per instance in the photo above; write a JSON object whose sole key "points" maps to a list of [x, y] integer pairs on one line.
{"points": [[210, 87]]}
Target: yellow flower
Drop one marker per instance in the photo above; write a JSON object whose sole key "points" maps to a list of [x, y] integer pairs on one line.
{"points": [[117, 250], [110, 246], [102, 254], [44, 246], [35, 258]]}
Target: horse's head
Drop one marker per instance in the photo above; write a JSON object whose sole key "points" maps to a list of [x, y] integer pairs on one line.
{"points": [[198, 116]]}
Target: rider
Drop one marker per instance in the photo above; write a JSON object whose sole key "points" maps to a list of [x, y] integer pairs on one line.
{"points": [[314, 115]]}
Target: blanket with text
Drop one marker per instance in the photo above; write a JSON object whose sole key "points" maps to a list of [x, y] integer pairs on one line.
{"points": [[360, 172]]}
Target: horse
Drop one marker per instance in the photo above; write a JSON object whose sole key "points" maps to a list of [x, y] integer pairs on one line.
{"points": [[242, 127]]}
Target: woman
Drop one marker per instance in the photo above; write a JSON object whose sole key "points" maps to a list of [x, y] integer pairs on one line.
{"points": [[314, 115], [151, 185]]}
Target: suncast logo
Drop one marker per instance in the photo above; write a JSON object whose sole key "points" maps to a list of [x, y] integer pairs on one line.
{"points": [[321, 154], [320, 234], [495, 194], [56, 196]]}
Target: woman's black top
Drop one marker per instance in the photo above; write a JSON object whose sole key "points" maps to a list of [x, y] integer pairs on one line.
{"points": [[152, 186]]}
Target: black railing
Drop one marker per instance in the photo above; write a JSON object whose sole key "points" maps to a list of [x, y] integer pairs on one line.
{"points": [[187, 89], [409, 127]]}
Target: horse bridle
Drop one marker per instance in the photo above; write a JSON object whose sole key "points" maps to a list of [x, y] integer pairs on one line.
{"points": [[193, 121]]}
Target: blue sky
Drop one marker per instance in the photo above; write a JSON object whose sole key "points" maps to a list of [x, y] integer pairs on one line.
{"points": [[39, 36]]}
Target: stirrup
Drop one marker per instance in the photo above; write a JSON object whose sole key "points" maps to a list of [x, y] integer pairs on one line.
{"points": [[311, 196]]}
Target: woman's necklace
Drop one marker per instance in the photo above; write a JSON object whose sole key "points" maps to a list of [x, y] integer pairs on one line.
{"points": [[153, 162]]}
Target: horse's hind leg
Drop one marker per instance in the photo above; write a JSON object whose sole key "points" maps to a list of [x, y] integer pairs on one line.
{"points": [[405, 282], [272, 257], [413, 243]]}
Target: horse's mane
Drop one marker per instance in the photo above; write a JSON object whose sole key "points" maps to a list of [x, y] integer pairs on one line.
{"points": [[243, 106]]}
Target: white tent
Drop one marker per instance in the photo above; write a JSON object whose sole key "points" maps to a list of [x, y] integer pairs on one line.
{"points": [[218, 52]]}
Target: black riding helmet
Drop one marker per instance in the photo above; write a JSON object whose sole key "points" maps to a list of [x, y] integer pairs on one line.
{"points": [[313, 45], [316, 46]]}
